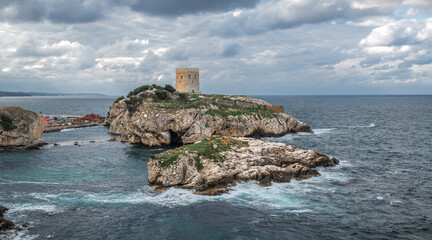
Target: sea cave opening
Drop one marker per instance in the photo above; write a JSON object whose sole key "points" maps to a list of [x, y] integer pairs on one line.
{"points": [[175, 138]]}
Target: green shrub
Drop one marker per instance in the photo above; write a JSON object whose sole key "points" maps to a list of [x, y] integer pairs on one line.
{"points": [[183, 96], [132, 104], [169, 88], [119, 99], [6, 122], [161, 94], [155, 86], [139, 90]]}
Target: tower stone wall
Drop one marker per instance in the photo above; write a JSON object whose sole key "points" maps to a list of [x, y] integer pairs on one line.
{"points": [[187, 80]]}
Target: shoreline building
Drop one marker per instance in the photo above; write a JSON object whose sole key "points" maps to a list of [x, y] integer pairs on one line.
{"points": [[187, 80]]}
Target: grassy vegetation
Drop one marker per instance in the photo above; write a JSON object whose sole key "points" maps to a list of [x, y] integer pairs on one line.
{"points": [[6, 122], [166, 97], [210, 148], [225, 111], [133, 100], [184, 100]]}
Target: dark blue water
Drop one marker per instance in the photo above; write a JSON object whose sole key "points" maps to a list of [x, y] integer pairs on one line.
{"points": [[76, 105], [380, 190]]}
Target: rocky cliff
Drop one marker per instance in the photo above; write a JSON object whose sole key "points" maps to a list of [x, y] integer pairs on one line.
{"points": [[213, 164], [19, 127], [156, 117]]}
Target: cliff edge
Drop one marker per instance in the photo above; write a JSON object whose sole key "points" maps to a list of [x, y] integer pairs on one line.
{"points": [[154, 116]]}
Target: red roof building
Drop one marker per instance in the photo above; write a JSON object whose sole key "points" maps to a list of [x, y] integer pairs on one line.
{"points": [[92, 117], [46, 121]]}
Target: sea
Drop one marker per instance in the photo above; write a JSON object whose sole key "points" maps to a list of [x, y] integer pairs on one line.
{"points": [[382, 188]]}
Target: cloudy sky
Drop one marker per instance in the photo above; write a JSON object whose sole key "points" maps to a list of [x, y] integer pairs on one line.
{"points": [[294, 47]]}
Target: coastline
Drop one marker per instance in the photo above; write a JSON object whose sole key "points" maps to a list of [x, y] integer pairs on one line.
{"points": [[62, 127]]}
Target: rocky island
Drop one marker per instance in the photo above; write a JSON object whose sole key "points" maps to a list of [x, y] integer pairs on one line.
{"points": [[217, 139], [156, 116], [20, 127], [213, 164]]}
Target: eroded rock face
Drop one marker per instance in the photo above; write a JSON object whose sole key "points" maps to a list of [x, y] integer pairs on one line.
{"points": [[156, 124], [19, 127], [255, 160]]}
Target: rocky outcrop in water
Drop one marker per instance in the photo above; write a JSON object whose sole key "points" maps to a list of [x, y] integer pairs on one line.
{"points": [[154, 119], [213, 164], [20, 127], [6, 225]]}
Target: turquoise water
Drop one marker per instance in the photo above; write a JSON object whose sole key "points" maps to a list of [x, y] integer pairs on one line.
{"points": [[381, 189]]}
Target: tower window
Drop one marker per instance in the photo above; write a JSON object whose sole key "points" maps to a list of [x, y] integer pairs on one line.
{"points": [[189, 76], [181, 77]]}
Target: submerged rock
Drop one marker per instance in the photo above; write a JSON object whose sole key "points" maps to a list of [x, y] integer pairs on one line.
{"points": [[186, 119], [211, 170], [19, 127], [36, 144]]}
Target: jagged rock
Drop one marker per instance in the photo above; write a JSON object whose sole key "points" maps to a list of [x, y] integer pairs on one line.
{"points": [[179, 121], [211, 170], [5, 224], [19, 127], [36, 144]]}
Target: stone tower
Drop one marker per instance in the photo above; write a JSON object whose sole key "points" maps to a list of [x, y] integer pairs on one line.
{"points": [[187, 80]]}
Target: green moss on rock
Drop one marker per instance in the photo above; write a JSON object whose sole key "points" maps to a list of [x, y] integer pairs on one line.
{"points": [[6, 122], [209, 148]]}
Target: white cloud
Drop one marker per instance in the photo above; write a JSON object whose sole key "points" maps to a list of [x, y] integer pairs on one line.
{"points": [[283, 14], [398, 52], [273, 46]]}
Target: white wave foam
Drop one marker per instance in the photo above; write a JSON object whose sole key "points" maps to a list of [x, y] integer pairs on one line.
{"points": [[363, 126], [278, 196], [292, 197], [44, 196], [68, 129], [302, 211], [34, 207], [29, 182], [319, 131], [20, 235], [281, 196]]}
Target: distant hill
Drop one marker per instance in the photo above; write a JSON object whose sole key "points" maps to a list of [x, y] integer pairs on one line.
{"points": [[21, 94]]}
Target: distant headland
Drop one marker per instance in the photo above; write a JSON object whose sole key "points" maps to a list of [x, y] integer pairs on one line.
{"points": [[29, 94]]}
